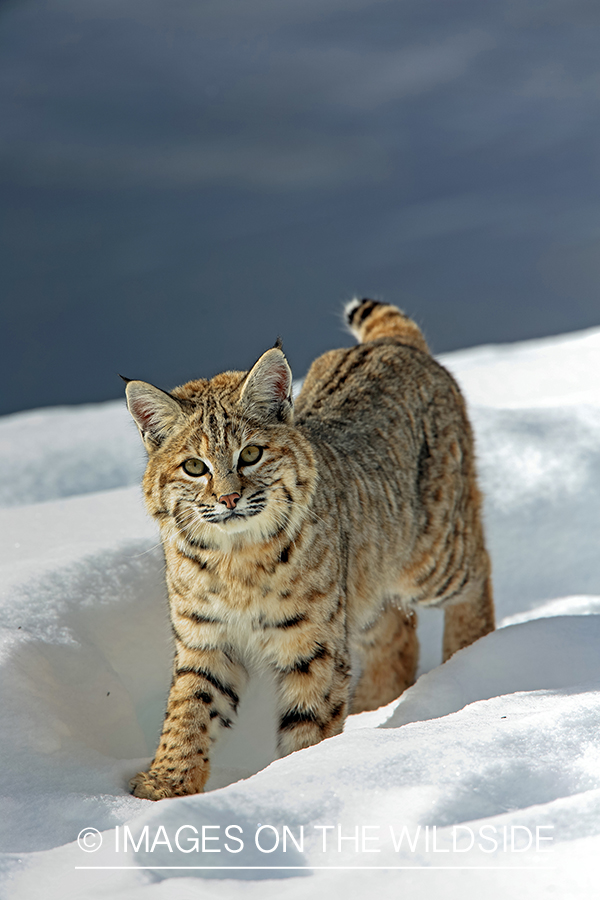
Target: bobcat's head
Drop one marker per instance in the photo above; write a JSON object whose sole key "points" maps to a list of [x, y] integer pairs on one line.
{"points": [[224, 457]]}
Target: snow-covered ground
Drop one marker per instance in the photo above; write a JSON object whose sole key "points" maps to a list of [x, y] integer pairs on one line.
{"points": [[491, 786]]}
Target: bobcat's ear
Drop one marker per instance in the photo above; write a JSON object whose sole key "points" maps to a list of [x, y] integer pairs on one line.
{"points": [[267, 391], [154, 411]]}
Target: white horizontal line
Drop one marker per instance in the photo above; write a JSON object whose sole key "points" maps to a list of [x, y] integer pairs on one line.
{"points": [[310, 868]]}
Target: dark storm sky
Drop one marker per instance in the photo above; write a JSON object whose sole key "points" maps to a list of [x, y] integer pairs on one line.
{"points": [[182, 181]]}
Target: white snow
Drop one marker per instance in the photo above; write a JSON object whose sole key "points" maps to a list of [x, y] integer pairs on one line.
{"points": [[490, 763], [50, 453]]}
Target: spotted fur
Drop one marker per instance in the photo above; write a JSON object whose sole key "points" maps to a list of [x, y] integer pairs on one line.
{"points": [[310, 561]]}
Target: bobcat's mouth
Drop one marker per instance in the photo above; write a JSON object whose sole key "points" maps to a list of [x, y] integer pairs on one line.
{"points": [[241, 518], [232, 522], [232, 515], [237, 519], [222, 519], [253, 506]]}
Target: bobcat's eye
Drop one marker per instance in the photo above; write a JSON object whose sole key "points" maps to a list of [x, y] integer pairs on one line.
{"points": [[195, 467], [250, 455]]}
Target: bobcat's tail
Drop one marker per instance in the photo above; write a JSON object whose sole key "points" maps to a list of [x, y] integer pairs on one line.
{"points": [[370, 319]]}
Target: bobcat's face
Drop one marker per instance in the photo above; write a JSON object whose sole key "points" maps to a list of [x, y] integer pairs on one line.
{"points": [[225, 459], [225, 484]]}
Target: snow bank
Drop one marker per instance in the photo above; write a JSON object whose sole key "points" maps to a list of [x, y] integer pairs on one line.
{"points": [[51, 453], [547, 372], [494, 774], [534, 407]]}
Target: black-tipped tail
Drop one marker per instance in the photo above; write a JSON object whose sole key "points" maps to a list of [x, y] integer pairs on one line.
{"points": [[371, 320], [358, 310]]}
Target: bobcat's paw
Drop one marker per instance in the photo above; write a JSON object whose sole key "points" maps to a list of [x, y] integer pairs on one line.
{"points": [[150, 787], [155, 786]]}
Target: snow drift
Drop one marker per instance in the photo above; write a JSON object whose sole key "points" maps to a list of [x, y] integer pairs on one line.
{"points": [[485, 775]]}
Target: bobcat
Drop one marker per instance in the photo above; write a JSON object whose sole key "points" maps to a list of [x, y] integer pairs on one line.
{"points": [[299, 537]]}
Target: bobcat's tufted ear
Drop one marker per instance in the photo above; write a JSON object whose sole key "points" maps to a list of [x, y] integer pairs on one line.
{"points": [[154, 411], [267, 391]]}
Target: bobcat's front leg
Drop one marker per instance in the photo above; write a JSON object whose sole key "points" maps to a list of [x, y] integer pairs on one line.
{"points": [[313, 698], [203, 699]]}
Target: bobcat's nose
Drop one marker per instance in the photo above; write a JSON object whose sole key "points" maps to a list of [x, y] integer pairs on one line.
{"points": [[229, 500]]}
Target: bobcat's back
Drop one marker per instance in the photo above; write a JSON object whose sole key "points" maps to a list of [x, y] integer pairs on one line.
{"points": [[390, 428]]}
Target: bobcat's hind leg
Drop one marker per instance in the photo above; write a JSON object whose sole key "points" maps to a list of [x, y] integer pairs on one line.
{"points": [[468, 620], [389, 652]]}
